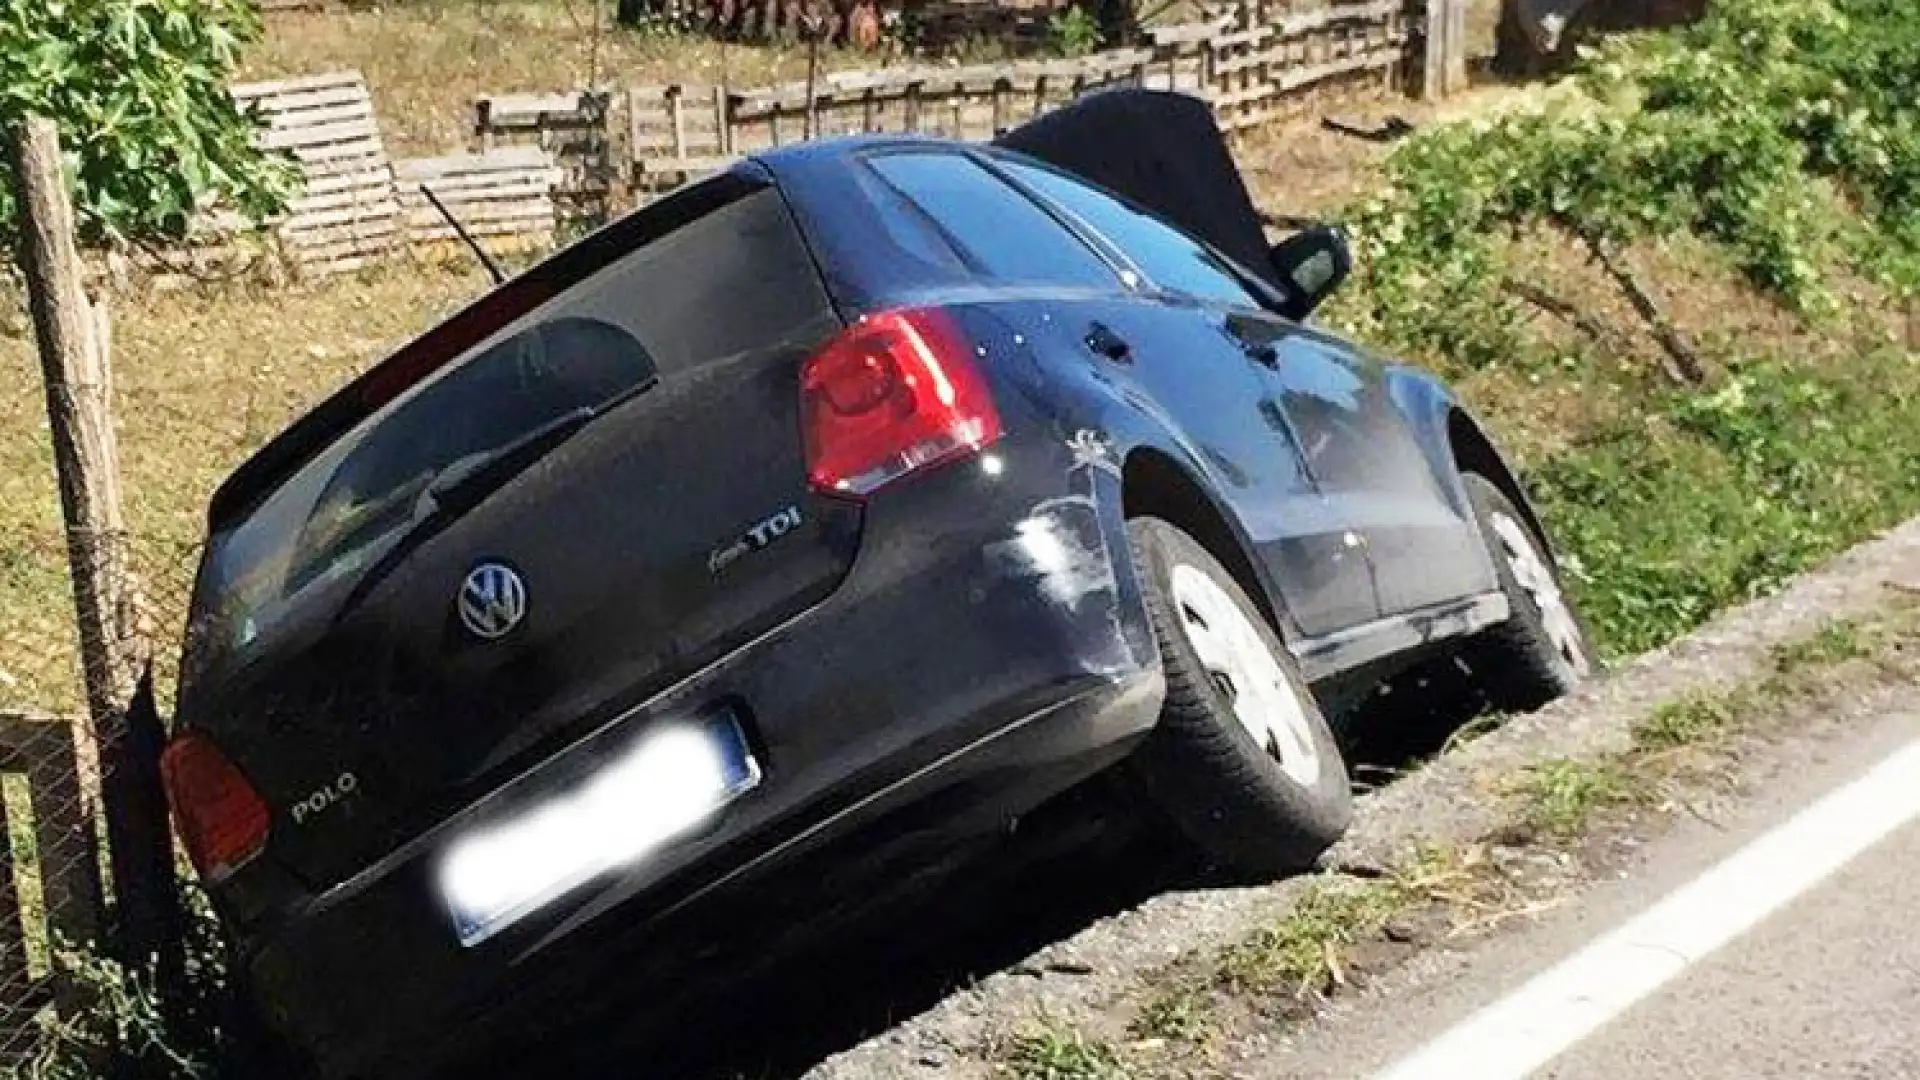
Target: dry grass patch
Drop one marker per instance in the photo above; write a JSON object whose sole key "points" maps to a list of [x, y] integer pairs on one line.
{"points": [[427, 60]]}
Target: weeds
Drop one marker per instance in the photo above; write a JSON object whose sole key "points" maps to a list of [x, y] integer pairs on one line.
{"points": [[1297, 957], [1301, 953], [1556, 805], [1054, 1053], [1671, 523], [1834, 643], [1561, 796], [1073, 31], [1793, 668], [1184, 1012], [185, 1037], [1772, 138], [1690, 720]]}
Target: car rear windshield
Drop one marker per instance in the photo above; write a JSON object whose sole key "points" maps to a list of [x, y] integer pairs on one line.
{"points": [[735, 280]]}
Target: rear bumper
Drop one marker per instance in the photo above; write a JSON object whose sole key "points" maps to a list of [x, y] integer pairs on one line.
{"points": [[988, 649]]}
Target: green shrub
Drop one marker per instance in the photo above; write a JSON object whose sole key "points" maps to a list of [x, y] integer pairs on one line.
{"points": [[129, 1028], [1708, 500], [1785, 133], [1072, 31], [139, 91], [1735, 129]]}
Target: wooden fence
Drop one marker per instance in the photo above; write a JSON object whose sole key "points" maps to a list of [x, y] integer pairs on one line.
{"points": [[541, 160], [1261, 62], [504, 199]]}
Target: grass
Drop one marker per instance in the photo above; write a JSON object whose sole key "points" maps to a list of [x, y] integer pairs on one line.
{"points": [[1301, 954], [1295, 959], [1556, 803], [1793, 669], [1561, 796], [1705, 500], [1834, 643], [1051, 1052], [1688, 721], [28, 890], [1184, 1012]]}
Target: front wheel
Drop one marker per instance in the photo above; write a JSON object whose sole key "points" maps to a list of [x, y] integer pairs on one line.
{"points": [[1540, 653], [1242, 762]]}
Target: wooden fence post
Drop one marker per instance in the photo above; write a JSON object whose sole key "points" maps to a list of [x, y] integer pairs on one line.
{"points": [[1444, 71], [73, 340]]}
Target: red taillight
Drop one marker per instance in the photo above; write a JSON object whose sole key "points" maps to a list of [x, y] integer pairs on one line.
{"points": [[221, 818], [896, 392]]}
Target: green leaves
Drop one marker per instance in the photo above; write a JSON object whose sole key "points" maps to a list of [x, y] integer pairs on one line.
{"points": [[1727, 129], [139, 89]]}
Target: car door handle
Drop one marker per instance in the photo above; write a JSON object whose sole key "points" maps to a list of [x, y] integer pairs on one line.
{"points": [[1103, 341]]}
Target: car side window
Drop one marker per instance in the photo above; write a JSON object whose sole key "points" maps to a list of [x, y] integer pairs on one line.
{"points": [[1171, 259], [1000, 230]]}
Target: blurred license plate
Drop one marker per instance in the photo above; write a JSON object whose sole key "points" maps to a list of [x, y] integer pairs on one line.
{"points": [[666, 784]]}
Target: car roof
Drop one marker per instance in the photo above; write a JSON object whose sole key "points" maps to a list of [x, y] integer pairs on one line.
{"points": [[1158, 149]]}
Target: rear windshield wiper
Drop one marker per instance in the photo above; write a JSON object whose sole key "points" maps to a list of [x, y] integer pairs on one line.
{"points": [[467, 482]]}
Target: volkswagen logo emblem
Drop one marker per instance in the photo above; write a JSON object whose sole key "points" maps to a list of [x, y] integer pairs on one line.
{"points": [[492, 601]]}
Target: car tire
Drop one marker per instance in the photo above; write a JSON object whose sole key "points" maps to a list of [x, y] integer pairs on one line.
{"points": [[1541, 651], [1242, 762]]}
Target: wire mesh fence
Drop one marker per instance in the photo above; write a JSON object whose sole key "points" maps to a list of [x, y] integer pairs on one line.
{"points": [[62, 774]]}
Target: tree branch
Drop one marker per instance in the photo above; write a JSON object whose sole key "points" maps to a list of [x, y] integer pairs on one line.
{"points": [[1603, 333], [1683, 364]]}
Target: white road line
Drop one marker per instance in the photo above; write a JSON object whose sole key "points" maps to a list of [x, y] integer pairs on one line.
{"points": [[1512, 1037]]}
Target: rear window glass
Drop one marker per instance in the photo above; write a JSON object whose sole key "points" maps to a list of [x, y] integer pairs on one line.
{"points": [[736, 280], [1000, 230], [1175, 261]]}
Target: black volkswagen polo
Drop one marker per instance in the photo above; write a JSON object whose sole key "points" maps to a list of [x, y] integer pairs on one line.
{"points": [[851, 501]]}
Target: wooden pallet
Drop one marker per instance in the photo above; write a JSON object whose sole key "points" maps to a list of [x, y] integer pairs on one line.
{"points": [[61, 864], [504, 199], [676, 133], [347, 215], [573, 127]]}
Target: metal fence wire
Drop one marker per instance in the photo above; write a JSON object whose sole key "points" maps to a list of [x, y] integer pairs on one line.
{"points": [[68, 795]]}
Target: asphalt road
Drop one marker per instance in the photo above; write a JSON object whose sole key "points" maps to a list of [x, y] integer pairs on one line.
{"points": [[1829, 987], [1825, 982]]}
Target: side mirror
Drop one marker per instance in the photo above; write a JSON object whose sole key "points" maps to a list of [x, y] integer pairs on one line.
{"points": [[1312, 264]]}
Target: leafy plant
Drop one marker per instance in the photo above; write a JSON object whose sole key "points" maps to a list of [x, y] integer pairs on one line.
{"points": [[1073, 31], [1740, 129], [128, 1023], [1785, 134], [1708, 500], [1563, 794], [139, 91]]}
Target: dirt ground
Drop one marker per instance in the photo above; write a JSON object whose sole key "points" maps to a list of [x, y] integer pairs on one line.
{"points": [[426, 61]]}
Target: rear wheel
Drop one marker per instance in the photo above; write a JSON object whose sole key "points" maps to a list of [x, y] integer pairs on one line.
{"points": [[1540, 653], [1242, 762]]}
